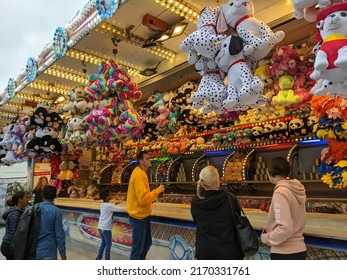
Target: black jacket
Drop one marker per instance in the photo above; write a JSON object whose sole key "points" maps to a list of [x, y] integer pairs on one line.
{"points": [[11, 217], [215, 233]]}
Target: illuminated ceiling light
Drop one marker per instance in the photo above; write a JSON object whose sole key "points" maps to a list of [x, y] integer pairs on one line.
{"points": [[134, 39], [96, 60]]}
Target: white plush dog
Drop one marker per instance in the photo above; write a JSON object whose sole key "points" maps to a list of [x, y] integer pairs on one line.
{"points": [[306, 8], [211, 90], [243, 87], [331, 58], [239, 14], [205, 40]]}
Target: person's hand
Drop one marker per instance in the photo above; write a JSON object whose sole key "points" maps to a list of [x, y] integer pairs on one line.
{"points": [[160, 189], [63, 258]]}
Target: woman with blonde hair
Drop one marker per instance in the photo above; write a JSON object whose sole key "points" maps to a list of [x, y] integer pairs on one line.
{"points": [[41, 183], [215, 232]]}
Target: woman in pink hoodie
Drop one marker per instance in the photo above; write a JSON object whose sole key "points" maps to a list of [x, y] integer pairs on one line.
{"points": [[287, 216]]}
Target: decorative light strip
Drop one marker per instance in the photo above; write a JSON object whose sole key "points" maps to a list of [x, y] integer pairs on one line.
{"points": [[226, 162], [169, 168], [194, 166], [120, 33], [124, 168], [25, 95], [245, 163], [181, 8], [291, 152], [68, 75], [39, 84], [17, 106], [94, 59]]}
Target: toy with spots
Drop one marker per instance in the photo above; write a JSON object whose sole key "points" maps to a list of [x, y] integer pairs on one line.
{"points": [[239, 14], [243, 88], [211, 92], [204, 41]]}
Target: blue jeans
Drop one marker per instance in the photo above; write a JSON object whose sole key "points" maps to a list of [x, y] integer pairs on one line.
{"points": [[106, 241], [141, 238]]}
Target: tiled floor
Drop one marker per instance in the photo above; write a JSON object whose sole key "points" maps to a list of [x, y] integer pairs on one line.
{"points": [[75, 250]]}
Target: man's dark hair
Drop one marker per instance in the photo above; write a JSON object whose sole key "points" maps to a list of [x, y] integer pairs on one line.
{"points": [[49, 192], [140, 155], [104, 194], [13, 201], [279, 166]]}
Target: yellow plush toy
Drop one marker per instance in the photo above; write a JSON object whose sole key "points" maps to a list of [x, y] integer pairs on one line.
{"points": [[286, 96]]}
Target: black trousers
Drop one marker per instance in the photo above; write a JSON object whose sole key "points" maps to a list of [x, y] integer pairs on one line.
{"points": [[5, 250], [295, 256]]}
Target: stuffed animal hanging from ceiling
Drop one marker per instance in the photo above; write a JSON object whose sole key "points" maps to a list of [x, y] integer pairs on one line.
{"points": [[239, 14]]}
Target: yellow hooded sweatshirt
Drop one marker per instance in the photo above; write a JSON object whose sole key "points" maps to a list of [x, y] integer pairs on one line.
{"points": [[139, 196]]}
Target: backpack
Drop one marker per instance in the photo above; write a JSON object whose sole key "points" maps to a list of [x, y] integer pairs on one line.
{"points": [[24, 242]]}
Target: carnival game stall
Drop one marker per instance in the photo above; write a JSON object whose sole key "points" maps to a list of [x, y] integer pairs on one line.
{"points": [[194, 83]]}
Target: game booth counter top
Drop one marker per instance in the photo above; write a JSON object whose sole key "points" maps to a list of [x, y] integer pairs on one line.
{"points": [[325, 234]]}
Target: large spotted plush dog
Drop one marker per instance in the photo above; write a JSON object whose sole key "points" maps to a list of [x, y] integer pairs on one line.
{"points": [[239, 14], [204, 41], [211, 92], [330, 67], [243, 87]]}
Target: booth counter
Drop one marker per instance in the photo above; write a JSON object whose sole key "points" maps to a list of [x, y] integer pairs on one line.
{"points": [[173, 229]]}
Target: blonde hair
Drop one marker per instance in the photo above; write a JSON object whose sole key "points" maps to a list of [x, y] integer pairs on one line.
{"points": [[208, 178]]}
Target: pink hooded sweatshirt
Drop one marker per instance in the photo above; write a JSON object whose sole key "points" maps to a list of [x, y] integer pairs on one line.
{"points": [[286, 219]]}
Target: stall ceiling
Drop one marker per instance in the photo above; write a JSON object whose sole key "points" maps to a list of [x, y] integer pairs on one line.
{"points": [[171, 73]]}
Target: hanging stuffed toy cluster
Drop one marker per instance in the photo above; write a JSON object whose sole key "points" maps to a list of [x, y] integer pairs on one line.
{"points": [[44, 135], [332, 126], [216, 55], [14, 139], [113, 116], [291, 75]]}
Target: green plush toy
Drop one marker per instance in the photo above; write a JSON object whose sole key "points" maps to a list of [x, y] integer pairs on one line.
{"points": [[286, 96]]}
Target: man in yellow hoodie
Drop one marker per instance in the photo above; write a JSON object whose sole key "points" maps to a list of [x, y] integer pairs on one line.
{"points": [[139, 207]]}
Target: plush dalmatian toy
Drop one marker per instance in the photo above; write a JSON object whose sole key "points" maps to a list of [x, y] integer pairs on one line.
{"points": [[239, 14], [243, 87], [204, 41], [330, 67]]}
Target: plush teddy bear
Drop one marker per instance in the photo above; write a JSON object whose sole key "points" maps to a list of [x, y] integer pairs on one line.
{"points": [[91, 191], [236, 174], [67, 166], [94, 171], [286, 96]]}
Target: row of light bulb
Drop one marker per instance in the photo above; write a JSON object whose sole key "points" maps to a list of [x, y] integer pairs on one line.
{"points": [[66, 75], [40, 85], [136, 40], [181, 8], [96, 60]]}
